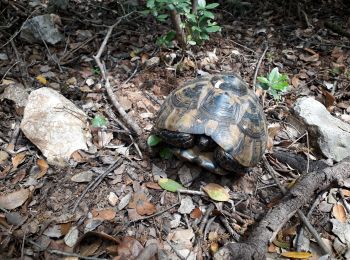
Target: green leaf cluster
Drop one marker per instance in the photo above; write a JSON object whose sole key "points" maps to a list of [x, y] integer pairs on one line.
{"points": [[197, 26], [275, 83]]}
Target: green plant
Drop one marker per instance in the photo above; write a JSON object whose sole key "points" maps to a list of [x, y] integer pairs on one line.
{"points": [[275, 83], [192, 25]]}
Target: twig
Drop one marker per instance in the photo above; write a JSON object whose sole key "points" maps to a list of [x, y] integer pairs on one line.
{"points": [[244, 47], [8, 70], [300, 235], [23, 71], [206, 230], [108, 87], [156, 214], [192, 192], [230, 230], [22, 246], [205, 218], [299, 212], [131, 76], [20, 29], [93, 184], [15, 134], [258, 66], [111, 114], [308, 152], [57, 252], [306, 19]]}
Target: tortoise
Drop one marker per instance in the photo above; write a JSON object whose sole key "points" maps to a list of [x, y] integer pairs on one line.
{"points": [[216, 122]]}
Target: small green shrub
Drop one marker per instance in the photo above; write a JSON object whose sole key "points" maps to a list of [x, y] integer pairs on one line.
{"points": [[196, 26], [275, 83]]}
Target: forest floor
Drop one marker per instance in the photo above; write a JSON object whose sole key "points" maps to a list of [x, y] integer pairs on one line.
{"points": [[128, 210]]}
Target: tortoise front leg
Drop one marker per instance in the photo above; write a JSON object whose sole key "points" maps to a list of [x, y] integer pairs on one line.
{"points": [[176, 139], [227, 162]]}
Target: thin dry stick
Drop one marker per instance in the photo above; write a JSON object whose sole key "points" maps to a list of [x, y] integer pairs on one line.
{"points": [[57, 252], [110, 113], [244, 47], [205, 218], [258, 66], [206, 230], [93, 184], [230, 230], [300, 235], [8, 70], [37, 28], [299, 212], [108, 87], [156, 214], [192, 192]]}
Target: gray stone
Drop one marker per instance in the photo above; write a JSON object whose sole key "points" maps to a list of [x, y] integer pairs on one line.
{"points": [[154, 61], [327, 133], [3, 56], [40, 28]]}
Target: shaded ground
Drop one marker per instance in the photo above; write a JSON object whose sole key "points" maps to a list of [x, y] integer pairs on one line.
{"points": [[300, 43]]}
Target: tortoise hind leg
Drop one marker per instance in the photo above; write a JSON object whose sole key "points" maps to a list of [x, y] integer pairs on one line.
{"points": [[177, 139], [227, 162]]}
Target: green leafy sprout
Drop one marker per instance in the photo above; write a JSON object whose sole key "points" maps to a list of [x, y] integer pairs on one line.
{"points": [[275, 83], [197, 26], [99, 121], [164, 152]]}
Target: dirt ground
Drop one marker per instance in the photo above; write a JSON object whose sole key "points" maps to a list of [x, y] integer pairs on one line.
{"points": [[128, 210]]}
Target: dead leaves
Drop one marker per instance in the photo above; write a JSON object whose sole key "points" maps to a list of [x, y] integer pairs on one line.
{"points": [[141, 203], [15, 199], [339, 212]]}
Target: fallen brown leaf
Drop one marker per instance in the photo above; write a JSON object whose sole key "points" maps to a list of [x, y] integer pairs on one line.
{"points": [[142, 205], [329, 99], [14, 199], [153, 185], [18, 159], [295, 81], [345, 192], [19, 176], [196, 213], [43, 166], [339, 212], [104, 214], [129, 248]]}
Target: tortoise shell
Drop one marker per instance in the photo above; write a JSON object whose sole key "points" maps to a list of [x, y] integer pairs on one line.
{"points": [[223, 108]]}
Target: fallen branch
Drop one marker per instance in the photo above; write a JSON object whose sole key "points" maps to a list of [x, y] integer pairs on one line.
{"points": [[258, 66], [255, 246], [108, 87]]}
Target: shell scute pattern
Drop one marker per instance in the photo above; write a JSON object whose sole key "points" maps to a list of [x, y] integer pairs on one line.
{"points": [[222, 107]]}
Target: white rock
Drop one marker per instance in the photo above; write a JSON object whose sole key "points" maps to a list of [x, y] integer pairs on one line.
{"points": [[112, 198], [186, 206], [17, 93], [90, 82], [329, 134], [124, 201], [152, 62], [55, 125], [176, 221], [71, 237]]}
